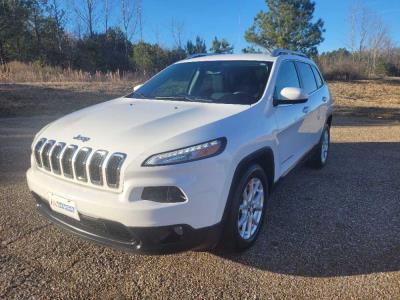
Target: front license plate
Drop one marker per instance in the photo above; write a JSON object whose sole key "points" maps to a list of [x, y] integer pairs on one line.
{"points": [[64, 206]]}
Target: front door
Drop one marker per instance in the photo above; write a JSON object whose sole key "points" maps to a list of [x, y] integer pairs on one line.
{"points": [[290, 119]]}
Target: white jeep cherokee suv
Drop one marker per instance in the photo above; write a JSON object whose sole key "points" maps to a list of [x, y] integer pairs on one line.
{"points": [[189, 158]]}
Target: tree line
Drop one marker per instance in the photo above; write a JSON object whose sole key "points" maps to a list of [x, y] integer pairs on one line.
{"points": [[371, 51], [35, 31], [39, 31]]}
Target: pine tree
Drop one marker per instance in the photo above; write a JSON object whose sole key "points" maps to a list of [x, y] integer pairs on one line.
{"points": [[198, 47], [287, 24], [221, 46]]}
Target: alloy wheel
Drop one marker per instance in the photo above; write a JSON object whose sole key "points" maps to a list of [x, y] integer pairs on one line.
{"points": [[251, 208]]}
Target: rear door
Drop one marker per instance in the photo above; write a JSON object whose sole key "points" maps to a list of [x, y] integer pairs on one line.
{"points": [[311, 127], [323, 95]]}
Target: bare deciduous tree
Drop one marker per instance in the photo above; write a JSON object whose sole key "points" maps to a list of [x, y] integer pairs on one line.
{"points": [[106, 14], [177, 31], [369, 37], [59, 17], [359, 25], [140, 18], [87, 12], [129, 18], [379, 41]]}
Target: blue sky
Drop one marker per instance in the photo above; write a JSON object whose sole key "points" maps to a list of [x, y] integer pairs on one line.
{"points": [[231, 18]]}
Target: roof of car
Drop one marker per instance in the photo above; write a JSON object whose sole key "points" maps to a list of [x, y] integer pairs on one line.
{"points": [[246, 56], [214, 57]]}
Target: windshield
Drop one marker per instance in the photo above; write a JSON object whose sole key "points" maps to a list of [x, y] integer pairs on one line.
{"points": [[232, 82]]}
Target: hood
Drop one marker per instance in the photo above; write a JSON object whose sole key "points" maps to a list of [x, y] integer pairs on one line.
{"points": [[133, 125]]}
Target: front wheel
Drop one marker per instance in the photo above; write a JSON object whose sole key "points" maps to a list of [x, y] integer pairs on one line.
{"points": [[247, 210], [320, 157]]}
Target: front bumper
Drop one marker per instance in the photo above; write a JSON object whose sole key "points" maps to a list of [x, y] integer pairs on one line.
{"points": [[204, 183], [125, 220], [163, 239]]}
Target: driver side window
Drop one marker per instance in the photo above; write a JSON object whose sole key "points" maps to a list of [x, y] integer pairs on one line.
{"points": [[287, 77]]}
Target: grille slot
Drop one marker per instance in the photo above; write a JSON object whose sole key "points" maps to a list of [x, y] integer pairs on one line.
{"points": [[80, 163], [66, 160], [37, 149], [55, 157], [113, 169], [45, 154], [96, 167]]}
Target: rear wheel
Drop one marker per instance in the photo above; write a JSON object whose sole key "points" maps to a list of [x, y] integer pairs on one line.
{"points": [[247, 210], [320, 157]]}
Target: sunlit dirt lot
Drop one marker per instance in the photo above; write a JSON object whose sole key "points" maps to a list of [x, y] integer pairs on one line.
{"points": [[333, 233]]}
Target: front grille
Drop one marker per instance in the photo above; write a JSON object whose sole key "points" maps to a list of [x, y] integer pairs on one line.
{"points": [[80, 164]]}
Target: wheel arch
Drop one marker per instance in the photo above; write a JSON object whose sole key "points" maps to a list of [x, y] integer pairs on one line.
{"points": [[329, 120], [265, 158]]}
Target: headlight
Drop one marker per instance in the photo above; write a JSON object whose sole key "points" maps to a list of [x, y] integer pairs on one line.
{"points": [[191, 153]]}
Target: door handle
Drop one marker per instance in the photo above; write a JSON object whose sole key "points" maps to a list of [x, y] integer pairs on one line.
{"points": [[306, 109], [324, 99]]}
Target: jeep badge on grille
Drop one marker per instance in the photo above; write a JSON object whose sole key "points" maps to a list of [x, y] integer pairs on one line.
{"points": [[81, 138]]}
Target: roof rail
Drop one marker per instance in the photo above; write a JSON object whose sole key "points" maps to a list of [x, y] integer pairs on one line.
{"points": [[202, 54], [280, 51]]}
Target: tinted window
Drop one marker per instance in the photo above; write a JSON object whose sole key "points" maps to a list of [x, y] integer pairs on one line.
{"points": [[234, 82], [317, 77], [307, 76], [287, 77]]}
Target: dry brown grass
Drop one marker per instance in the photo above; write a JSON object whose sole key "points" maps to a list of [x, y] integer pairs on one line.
{"points": [[35, 72], [377, 99]]}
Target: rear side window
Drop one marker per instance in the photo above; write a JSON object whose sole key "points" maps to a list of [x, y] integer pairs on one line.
{"points": [[287, 77], [317, 77], [307, 77]]}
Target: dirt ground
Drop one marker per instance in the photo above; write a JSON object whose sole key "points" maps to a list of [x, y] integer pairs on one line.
{"points": [[30, 99], [378, 99], [333, 233]]}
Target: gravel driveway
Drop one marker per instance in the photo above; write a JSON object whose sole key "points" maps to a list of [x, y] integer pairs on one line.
{"points": [[333, 233]]}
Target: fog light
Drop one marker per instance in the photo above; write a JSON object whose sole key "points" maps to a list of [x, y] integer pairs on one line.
{"points": [[166, 194]]}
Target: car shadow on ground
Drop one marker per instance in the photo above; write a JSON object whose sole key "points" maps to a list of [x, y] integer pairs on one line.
{"points": [[342, 220]]}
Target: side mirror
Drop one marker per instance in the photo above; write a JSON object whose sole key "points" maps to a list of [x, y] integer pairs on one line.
{"points": [[137, 87], [291, 95]]}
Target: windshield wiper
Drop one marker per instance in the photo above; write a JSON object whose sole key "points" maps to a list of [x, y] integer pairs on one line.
{"points": [[198, 99], [171, 97], [182, 98], [139, 94]]}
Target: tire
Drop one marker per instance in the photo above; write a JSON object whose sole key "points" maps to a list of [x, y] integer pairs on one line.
{"points": [[235, 239], [320, 156]]}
